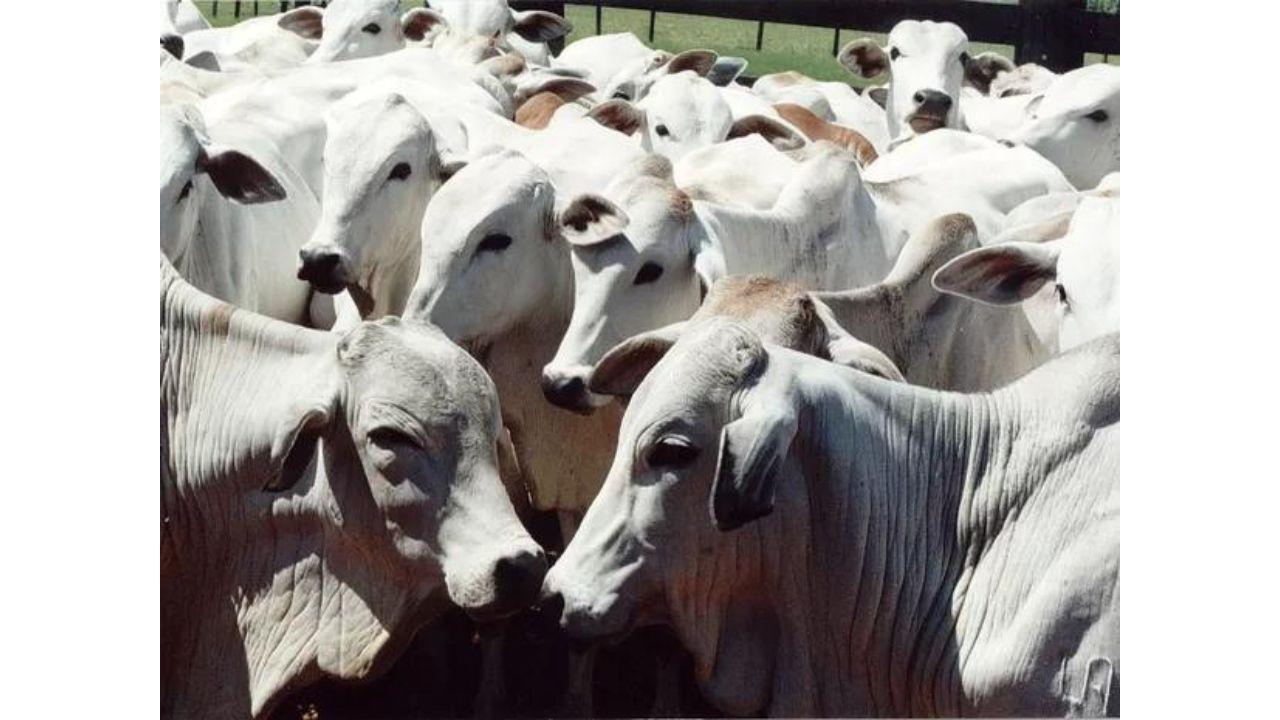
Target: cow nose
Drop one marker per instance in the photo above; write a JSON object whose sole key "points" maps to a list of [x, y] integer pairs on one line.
{"points": [[932, 102], [568, 392], [173, 44], [322, 268], [517, 579]]}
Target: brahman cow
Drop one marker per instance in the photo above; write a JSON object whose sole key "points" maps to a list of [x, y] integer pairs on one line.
{"points": [[906, 552], [1083, 265], [1075, 123], [233, 214], [271, 42], [321, 498], [929, 62]]}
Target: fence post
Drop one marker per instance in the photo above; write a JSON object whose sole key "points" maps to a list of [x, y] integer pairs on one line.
{"points": [[835, 43], [599, 18], [760, 35], [1051, 34], [214, 10], [236, 8], [653, 20]]}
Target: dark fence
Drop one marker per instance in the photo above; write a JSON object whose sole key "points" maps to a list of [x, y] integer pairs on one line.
{"points": [[1053, 33]]}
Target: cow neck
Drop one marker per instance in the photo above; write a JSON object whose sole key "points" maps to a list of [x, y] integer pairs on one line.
{"points": [[818, 251]]}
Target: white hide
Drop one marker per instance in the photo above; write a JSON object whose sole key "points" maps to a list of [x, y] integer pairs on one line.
{"points": [[870, 507], [271, 42]]}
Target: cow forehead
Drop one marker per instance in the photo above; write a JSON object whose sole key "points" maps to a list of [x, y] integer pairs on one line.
{"points": [[375, 120], [481, 17], [712, 360], [914, 36], [414, 367], [350, 11], [488, 188]]}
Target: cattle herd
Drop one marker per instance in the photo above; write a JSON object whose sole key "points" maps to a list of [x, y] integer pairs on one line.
{"points": [[456, 331]]}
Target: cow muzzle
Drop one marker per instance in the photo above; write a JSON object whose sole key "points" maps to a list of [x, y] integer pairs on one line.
{"points": [[568, 390], [325, 268], [510, 584], [931, 110]]}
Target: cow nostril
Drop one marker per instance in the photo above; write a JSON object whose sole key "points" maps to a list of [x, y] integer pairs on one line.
{"points": [[173, 44], [321, 269], [918, 98]]}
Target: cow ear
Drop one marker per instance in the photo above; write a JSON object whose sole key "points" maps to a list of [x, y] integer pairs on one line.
{"points": [[983, 68], [590, 219], [622, 369], [306, 22], [864, 58], [841, 348], [778, 135], [415, 24], [618, 115], [726, 69], [879, 95], [566, 88], [239, 177], [540, 26], [999, 274], [204, 60], [699, 61], [450, 167], [752, 451], [293, 450]]}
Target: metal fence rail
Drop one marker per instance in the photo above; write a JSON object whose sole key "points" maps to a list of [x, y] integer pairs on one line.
{"points": [[1053, 33]]}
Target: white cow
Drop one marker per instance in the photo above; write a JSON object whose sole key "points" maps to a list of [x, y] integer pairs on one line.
{"points": [[178, 17], [909, 552], [1076, 124], [321, 498], [916, 333], [233, 214], [624, 68], [367, 28], [929, 62], [495, 276], [684, 112], [271, 42], [1084, 267], [831, 231], [526, 32]]}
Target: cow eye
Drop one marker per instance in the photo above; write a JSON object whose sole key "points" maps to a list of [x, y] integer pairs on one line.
{"points": [[670, 452], [894, 53], [662, 131], [1062, 294], [372, 28], [1098, 116], [186, 190], [649, 272], [497, 242], [620, 95], [386, 437], [399, 172]]}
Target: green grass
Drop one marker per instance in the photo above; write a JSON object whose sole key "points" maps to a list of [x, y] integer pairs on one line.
{"points": [[786, 47]]}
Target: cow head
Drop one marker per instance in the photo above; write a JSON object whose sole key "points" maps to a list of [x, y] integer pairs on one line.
{"points": [[633, 81], [367, 28], [1075, 123], [710, 429], [685, 112], [636, 267], [1083, 267], [929, 62], [381, 166], [525, 32], [491, 255], [195, 170]]}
